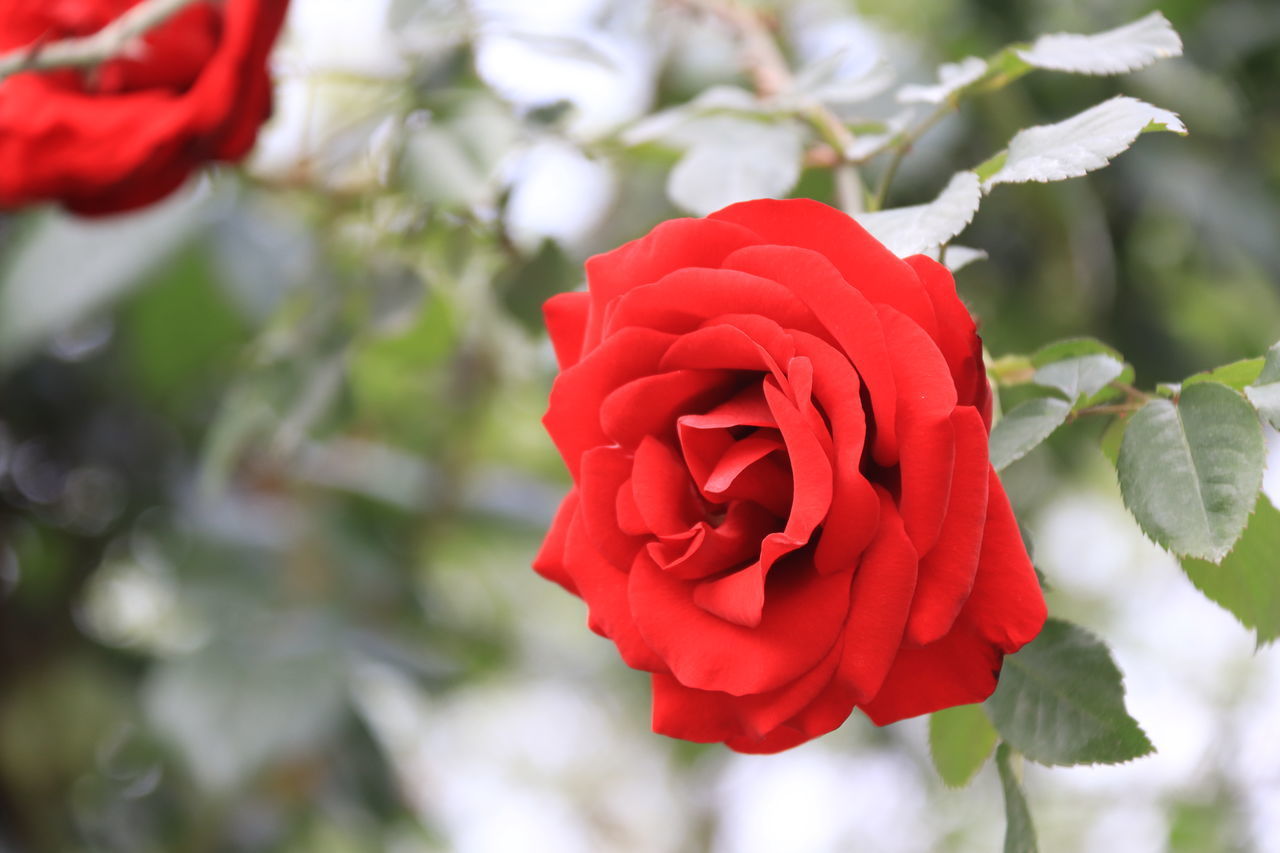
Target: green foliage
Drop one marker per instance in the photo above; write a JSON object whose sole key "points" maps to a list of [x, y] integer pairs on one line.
{"points": [[1061, 701], [960, 740], [1264, 392], [181, 330], [1237, 374], [1021, 429], [1190, 470], [1082, 377], [1019, 833], [1247, 581]]}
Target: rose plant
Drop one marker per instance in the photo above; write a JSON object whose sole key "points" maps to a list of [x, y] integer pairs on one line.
{"points": [[783, 506], [123, 133]]}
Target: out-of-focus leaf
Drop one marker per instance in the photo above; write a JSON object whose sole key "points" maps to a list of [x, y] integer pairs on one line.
{"points": [[1061, 701], [952, 77], [1128, 48], [452, 156], [911, 230], [671, 125], [956, 257], [824, 81], [1190, 471], [1024, 427], [960, 739], [874, 138], [1081, 377], [736, 160], [180, 331], [1247, 581], [1237, 374], [1019, 832], [264, 693], [527, 284], [69, 267], [1078, 145], [1264, 393]]}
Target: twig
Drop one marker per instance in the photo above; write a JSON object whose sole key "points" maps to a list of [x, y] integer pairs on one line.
{"points": [[904, 146], [105, 44], [771, 76]]}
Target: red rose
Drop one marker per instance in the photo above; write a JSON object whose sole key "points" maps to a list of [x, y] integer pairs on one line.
{"points": [[129, 131], [783, 507]]}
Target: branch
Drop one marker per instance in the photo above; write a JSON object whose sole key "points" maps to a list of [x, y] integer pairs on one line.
{"points": [[772, 76], [107, 43]]}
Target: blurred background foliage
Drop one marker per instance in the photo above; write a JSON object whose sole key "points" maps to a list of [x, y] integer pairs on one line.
{"points": [[271, 471]]}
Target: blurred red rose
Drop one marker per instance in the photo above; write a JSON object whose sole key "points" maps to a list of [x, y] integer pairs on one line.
{"points": [[127, 132], [783, 506]]}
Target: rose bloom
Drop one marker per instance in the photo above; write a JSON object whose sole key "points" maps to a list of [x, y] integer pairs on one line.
{"points": [[125, 133], [783, 506]]}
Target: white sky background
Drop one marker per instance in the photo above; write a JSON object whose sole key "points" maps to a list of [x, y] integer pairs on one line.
{"points": [[536, 762]]}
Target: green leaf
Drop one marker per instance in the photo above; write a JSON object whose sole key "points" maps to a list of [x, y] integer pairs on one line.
{"points": [[1023, 428], [1109, 441], [953, 78], [1019, 833], [1235, 375], [960, 739], [1082, 348], [1080, 144], [524, 286], [1072, 348], [68, 267], [1247, 581], [911, 230], [1127, 48], [1190, 470], [1264, 393], [1082, 377], [273, 689], [1061, 701], [731, 159]]}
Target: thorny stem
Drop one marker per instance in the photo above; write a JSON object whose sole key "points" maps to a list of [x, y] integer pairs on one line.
{"points": [[1134, 400], [771, 76], [107, 43], [904, 146]]}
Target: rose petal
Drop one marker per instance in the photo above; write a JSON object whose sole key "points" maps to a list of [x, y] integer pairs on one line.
{"points": [[710, 550], [550, 559], [718, 346], [708, 716], [572, 417], [925, 434], [803, 617], [855, 510], [737, 597], [947, 572], [848, 318], [566, 317], [860, 259], [957, 335], [603, 587], [604, 471], [810, 467], [739, 456], [681, 301], [1006, 604], [649, 406], [663, 491], [959, 669], [672, 245], [1004, 612], [880, 601]]}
